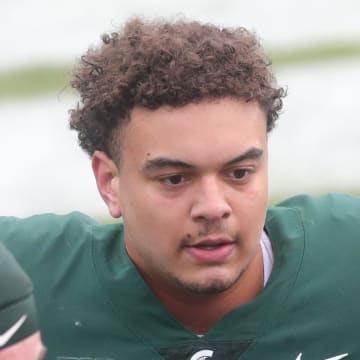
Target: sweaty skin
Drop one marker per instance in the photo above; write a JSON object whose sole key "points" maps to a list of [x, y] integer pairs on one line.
{"points": [[191, 187]]}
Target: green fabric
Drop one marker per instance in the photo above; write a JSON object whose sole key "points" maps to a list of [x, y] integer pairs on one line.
{"points": [[93, 303], [17, 307]]}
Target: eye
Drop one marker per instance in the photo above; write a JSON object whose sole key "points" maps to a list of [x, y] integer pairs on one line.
{"points": [[239, 173], [176, 179]]}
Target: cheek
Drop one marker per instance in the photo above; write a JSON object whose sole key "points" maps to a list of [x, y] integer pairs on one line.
{"points": [[150, 220], [255, 198], [250, 212], [255, 208], [154, 206]]}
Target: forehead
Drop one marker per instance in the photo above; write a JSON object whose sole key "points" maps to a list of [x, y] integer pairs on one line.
{"points": [[201, 129]]}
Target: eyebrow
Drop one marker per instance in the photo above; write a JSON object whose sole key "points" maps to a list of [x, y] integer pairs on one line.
{"points": [[162, 162], [252, 153]]}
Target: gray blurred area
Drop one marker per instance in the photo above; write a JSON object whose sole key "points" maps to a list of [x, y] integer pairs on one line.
{"points": [[39, 30], [315, 147]]}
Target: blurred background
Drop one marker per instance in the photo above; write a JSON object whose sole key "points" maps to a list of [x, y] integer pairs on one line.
{"points": [[315, 46]]}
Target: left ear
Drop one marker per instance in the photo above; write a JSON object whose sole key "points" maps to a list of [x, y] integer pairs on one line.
{"points": [[107, 180]]}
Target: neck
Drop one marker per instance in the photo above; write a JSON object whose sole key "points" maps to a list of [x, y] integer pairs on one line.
{"points": [[200, 312]]}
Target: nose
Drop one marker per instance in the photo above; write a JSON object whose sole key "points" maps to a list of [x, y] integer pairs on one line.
{"points": [[209, 202]]}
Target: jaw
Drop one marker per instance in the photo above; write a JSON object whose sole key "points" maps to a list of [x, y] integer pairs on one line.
{"points": [[200, 303]]}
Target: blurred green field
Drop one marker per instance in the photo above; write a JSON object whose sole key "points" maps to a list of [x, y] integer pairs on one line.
{"points": [[34, 81], [315, 53], [42, 79], [277, 198]]}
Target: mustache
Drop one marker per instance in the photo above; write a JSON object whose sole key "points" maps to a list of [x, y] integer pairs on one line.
{"points": [[209, 228]]}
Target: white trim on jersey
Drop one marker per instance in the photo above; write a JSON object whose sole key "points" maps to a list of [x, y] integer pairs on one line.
{"points": [[268, 256]]}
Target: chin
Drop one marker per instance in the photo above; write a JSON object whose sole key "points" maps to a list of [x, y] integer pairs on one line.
{"points": [[209, 286]]}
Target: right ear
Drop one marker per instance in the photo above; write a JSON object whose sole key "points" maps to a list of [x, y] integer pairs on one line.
{"points": [[107, 180]]}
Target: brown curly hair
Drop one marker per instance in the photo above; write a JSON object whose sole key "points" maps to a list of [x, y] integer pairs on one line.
{"points": [[151, 64]]}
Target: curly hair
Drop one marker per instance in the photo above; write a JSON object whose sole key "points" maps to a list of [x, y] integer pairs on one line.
{"points": [[156, 63]]}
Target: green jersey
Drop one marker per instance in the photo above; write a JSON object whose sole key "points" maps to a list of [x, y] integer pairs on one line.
{"points": [[93, 304]]}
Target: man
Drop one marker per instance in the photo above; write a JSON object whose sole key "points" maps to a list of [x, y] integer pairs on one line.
{"points": [[19, 334], [175, 117]]}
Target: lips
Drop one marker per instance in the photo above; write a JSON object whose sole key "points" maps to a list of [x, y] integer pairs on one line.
{"points": [[211, 250]]}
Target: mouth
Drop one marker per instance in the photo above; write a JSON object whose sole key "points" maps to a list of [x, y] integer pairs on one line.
{"points": [[209, 247], [211, 250]]}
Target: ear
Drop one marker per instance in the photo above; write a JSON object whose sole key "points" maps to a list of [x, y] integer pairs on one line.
{"points": [[107, 180]]}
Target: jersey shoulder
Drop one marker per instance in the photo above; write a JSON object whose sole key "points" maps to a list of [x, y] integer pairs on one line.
{"points": [[44, 227], [329, 220], [341, 208], [33, 239]]}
